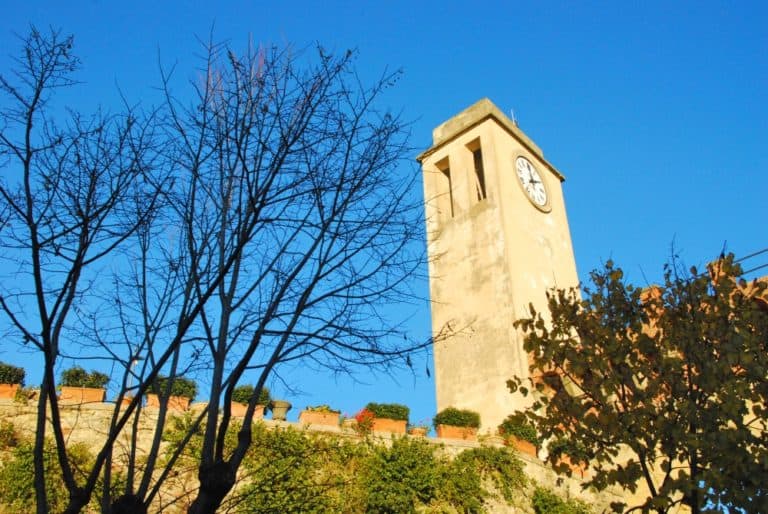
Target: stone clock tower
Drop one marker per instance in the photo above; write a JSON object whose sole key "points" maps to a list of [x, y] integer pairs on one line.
{"points": [[498, 239]]}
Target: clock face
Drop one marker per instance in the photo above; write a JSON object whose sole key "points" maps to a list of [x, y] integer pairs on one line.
{"points": [[531, 181]]}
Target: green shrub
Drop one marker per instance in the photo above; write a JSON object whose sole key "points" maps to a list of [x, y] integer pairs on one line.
{"points": [[292, 471], [477, 466], [264, 397], [517, 426], [545, 501], [389, 410], [243, 394], [11, 374], [288, 470], [9, 438], [181, 386], [78, 377], [457, 418], [401, 477], [413, 475], [17, 476]]}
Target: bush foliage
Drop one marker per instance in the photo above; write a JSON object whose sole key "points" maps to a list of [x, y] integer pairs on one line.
{"points": [[10, 374], [389, 410], [519, 427], [17, 475], [78, 377], [181, 386], [457, 418], [289, 470], [243, 394], [547, 502]]}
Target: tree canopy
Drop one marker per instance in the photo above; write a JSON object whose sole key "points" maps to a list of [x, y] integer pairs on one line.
{"points": [[661, 390]]}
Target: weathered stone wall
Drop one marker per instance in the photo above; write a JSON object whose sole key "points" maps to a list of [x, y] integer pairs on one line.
{"points": [[88, 424]]}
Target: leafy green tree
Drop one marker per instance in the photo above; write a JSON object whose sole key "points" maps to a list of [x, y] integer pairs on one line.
{"points": [[663, 387]]}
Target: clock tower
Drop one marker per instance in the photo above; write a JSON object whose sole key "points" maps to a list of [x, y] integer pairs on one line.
{"points": [[498, 239]]}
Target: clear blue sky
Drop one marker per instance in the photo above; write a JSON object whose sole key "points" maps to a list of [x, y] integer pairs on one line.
{"points": [[656, 112]]}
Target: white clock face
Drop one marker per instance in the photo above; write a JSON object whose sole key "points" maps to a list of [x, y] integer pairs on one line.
{"points": [[531, 181]]}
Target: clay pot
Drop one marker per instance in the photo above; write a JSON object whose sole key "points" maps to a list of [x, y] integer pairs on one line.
{"points": [[78, 395], [453, 432]]}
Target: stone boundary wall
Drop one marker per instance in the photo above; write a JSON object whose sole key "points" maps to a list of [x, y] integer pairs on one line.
{"points": [[88, 424]]}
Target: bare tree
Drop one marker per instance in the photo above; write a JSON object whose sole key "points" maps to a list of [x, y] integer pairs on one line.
{"points": [[267, 220], [69, 195], [288, 176]]}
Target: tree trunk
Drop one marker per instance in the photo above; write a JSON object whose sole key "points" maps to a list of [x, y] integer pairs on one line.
{"points": [[215, 483], [41, 499], [78, 499], [128, 504]]}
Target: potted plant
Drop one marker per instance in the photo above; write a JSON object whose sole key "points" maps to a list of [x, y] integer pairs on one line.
{"points": [[420, 429], [518, 432], [183, 391], [280, 409], [567, 456], [320, 415], [389, 417], [11, 380], [80, 386], [363, 422], [453, 423], [241, 396]]}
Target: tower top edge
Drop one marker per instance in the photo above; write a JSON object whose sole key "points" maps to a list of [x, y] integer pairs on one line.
{"points": [[474, 115]]}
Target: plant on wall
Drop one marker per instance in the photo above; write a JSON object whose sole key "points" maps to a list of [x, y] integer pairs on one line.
{"points": [[389, 410], [78, 377], [322, 408], [17, 472], [545, 501], [243, 394], [10, 374], [568, 447], [457, 418], [288, 470], [519, 427], [181, 386], [417, 468], [364, 421]]}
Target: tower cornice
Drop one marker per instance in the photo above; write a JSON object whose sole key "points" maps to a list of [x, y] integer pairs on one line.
{"points": [[475, 115]]}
